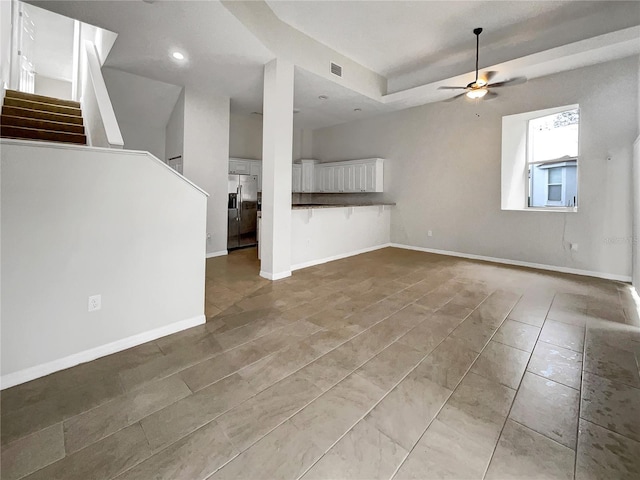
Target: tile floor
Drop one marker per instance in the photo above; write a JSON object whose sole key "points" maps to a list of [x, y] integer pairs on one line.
{"points": [[392, 364]]}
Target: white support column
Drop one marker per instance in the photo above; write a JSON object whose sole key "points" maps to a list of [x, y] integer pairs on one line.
{"points": [[277, 151]]}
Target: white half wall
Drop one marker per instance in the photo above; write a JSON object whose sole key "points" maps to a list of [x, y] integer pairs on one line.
{"points": [[319, 235], [443, 160], [79, 221], [206, 157]]}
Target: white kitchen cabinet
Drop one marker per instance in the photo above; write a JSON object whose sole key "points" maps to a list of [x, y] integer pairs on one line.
{"points": [[239, 166], [308, 175], [246, 166], [296, 178], [366, 175]]}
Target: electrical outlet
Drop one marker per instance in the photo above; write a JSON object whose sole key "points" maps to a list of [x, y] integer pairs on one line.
{"points": [[429, 233], [95, 303]]}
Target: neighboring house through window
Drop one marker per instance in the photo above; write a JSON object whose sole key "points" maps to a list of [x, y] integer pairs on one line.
{"points": [[540, 159]]}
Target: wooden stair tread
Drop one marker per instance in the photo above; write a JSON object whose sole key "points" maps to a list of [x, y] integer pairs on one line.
{"points": [[42, 99], [10, 131], [47, 107], [41, 115], [41, 124]]}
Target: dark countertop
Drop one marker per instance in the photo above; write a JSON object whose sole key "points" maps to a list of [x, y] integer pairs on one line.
{"points": [[300, 206]]}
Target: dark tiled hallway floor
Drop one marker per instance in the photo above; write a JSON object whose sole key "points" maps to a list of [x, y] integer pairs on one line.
{"points": [[392, 364]]}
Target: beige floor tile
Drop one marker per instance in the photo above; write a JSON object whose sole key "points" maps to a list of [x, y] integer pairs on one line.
{"points": [[249, 421], [285, 453], [210, 371], [91, 426], [532, 308], [105, 459], [54, 409], [479, 407], [170, 424], [525, 454], [426, 336], [548, 408], [518, 335], [448, 363], [32, 453], [563, 335], [454, 310], [603, 454], [364, 452], [474, 333], [443, 452], [612, 405], [388, 367], [471, 296], [404, 414], [331, 415], [196, 456], [502, 364], [556, 363], [611, 356]]}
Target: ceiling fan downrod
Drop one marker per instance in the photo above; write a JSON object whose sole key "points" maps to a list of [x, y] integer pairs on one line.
{"points": [[477, 32]]}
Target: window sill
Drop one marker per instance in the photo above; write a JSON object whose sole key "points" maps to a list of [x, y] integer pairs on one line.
{"points": [[544, 209]]}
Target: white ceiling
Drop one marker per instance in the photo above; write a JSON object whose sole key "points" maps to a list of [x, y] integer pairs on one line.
{"points": [[416, 45], [221, 54], [416, 42]]}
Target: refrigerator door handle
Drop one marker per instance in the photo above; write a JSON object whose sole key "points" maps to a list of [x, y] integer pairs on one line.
{"points": [[239, 202]]}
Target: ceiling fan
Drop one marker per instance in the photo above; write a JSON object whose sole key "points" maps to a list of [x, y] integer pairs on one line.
{"points": [[479, 88]]}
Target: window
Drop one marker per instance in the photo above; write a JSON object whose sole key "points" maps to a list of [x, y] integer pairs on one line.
{"points": [[540, 159], [553, 159]]}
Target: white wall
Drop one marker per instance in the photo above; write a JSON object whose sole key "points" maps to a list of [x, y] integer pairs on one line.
{"points": [[245, 136], [174, 132], [52, 87], [143, 108], [443, 170], [206, 157], [5, 42], [635, 238], [323, 234], [78, 221]]}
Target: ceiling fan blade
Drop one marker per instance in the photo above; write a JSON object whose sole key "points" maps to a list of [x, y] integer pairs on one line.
{"points": [[451, 88], [453, 98], [490, 96], [488, 76], [509, 83]]}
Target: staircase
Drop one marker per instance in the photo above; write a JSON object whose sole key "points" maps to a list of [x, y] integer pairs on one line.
{"points": [[35, 117]]}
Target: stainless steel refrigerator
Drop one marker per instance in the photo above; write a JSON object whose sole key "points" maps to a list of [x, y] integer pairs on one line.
{"points": [[243, 211]]}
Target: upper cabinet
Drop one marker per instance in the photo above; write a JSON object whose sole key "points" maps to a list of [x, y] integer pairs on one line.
{"points": [[296, 178], [245, 166], [366, 175], [308, 176]]}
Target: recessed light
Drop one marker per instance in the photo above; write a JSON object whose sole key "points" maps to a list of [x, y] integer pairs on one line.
{"points": [[357, 109], [323, 97], [178, 55]]}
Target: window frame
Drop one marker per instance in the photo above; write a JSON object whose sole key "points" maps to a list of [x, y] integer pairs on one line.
{"points": [[515, 162]]}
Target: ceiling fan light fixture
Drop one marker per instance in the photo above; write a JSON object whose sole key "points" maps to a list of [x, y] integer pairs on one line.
{"points": [[477, 93]]}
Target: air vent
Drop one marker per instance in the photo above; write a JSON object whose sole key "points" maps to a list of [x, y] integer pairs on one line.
{"points": [[336, 69]]}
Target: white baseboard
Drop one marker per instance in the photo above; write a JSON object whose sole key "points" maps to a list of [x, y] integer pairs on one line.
{"points": [[275, 276], [539, 266], [221, 253], [31, 373], [319, 261]]}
